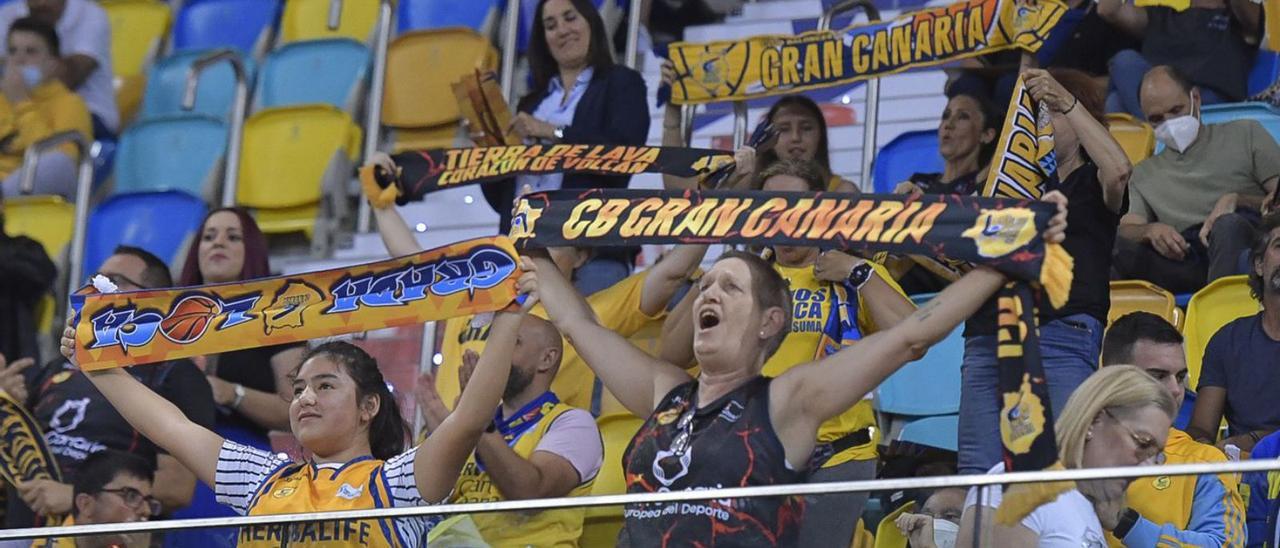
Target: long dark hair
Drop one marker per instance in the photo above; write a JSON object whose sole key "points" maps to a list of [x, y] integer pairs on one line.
{"points": [[991, 119], [255, 250], [387, 430], [543, 67], [823, 155]]}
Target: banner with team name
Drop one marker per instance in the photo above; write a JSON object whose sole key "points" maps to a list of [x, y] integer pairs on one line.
{"points": [[762, 66], [1003, 233], [425, 171], [24, 455], [1025, 164], [121, 329]]}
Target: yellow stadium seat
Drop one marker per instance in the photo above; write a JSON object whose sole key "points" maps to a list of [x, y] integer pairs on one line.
{"points": [[138, 27], [1137, 295], [309, 20], [1135, 136], [862, 538], [49, 220], [1216, 305], [420, 104], [602, 523], [1179, 318], [887, 534], [291, 156]]}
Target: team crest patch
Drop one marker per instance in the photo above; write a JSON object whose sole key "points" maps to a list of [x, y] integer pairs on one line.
{"points": [[290, 302], [524, 221], [283, 492], [348, 492], [998, 232], [1022, 418], [669, 416], [1161, 483], [61, 377]]}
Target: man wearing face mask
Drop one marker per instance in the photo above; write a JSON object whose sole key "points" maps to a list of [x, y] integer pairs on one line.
{"points": [[1239, 376], [938, 523], [1193, 207]]}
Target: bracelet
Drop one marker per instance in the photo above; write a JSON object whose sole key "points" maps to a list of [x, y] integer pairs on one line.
{"points": [[235, 403], [1126, 523], [1073, 106], [1253, 435]]}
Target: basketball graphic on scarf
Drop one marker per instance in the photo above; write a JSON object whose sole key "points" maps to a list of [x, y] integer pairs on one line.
{"points": [[189, 318]]}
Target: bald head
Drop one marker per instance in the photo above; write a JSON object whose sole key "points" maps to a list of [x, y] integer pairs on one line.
{"points": [[538, 336], [1166, 94]]}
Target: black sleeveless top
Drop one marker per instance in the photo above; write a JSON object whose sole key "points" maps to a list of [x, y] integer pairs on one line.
{"points": [[733, 444]]}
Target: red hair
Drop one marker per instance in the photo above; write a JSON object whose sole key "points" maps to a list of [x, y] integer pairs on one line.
{"points": [[255, 250]]}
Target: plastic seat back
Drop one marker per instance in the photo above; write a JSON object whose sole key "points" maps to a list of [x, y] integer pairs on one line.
{"points": [[244, 25], [172, 153], [318, 71], [478, 15], [887, 533], [1266, 71], [137, 28], [163, 223], [291, 155], [49, 220], [940, 431], [602, 523], [310, 19], [911, 152], [930, 385], [1264, 113], [168, 82], [416, 98], [1219, 303], [1128, 296], [1135, 136]]}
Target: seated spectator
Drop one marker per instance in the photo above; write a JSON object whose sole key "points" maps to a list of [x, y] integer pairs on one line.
{"points": [[1200, 510], [1264, 496], [1212, 42], [35, 105], [113, 487], [78, 420], [938, 522], [579, 96], [967, 134], [1118, 417], [85, 66], [1193, 206], [1093, 171], [802, 135], [1238, 377], [26, 275], [538, 448]]}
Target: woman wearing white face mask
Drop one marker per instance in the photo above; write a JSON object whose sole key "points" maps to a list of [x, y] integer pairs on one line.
{"points": [[34, 105]]}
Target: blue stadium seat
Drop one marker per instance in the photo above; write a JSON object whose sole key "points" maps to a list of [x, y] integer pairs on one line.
{"points": [[104, 158], [168, 82], [159, 222], [911, 152], [940, 432], [1264, 113], [328, 71], [478, 15], [211, 24], [171, 153], [1266, 71], [930, 385]]}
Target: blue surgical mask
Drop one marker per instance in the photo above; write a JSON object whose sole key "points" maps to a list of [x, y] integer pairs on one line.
{"points": [[32, 75]]}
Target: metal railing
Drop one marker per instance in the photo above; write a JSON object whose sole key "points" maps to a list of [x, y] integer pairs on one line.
{"points": [[510, 33], [633, 34], [871, 110], [235, 141], [335, 14], [808, 489], [373, 114], [84, 187]]}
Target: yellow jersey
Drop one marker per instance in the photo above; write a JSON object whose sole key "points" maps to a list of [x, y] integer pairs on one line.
{"points": [[618, 310], [255, 482], [812, 302], [559, 527]]}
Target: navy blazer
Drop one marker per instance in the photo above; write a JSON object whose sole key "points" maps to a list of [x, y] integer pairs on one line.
{"points": [[612, 111]]}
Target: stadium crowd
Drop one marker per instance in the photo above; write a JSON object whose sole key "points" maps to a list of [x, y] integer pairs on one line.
{"points": [[742, 387]]}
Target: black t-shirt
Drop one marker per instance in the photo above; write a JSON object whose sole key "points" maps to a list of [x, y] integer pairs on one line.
{"points": [[78, 421], [733, 444], [931, 183], [1091, 235], [1207, 45], [1092, 41], [250, 368]]}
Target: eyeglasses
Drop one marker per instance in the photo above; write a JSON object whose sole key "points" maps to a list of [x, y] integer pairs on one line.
{"points": [[134, 498], [119, 279], [1149, 449]]}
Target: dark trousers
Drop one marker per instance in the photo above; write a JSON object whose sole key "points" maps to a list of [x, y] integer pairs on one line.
{"points": [[1232, 235]]}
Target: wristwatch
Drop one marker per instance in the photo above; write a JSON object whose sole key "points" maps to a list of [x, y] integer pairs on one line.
{"points": [[1127, 521], [239, 390], [559, 133], [860, 275]]}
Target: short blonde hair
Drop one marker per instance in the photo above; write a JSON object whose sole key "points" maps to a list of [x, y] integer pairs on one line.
{"points": [[1122, 389]]}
